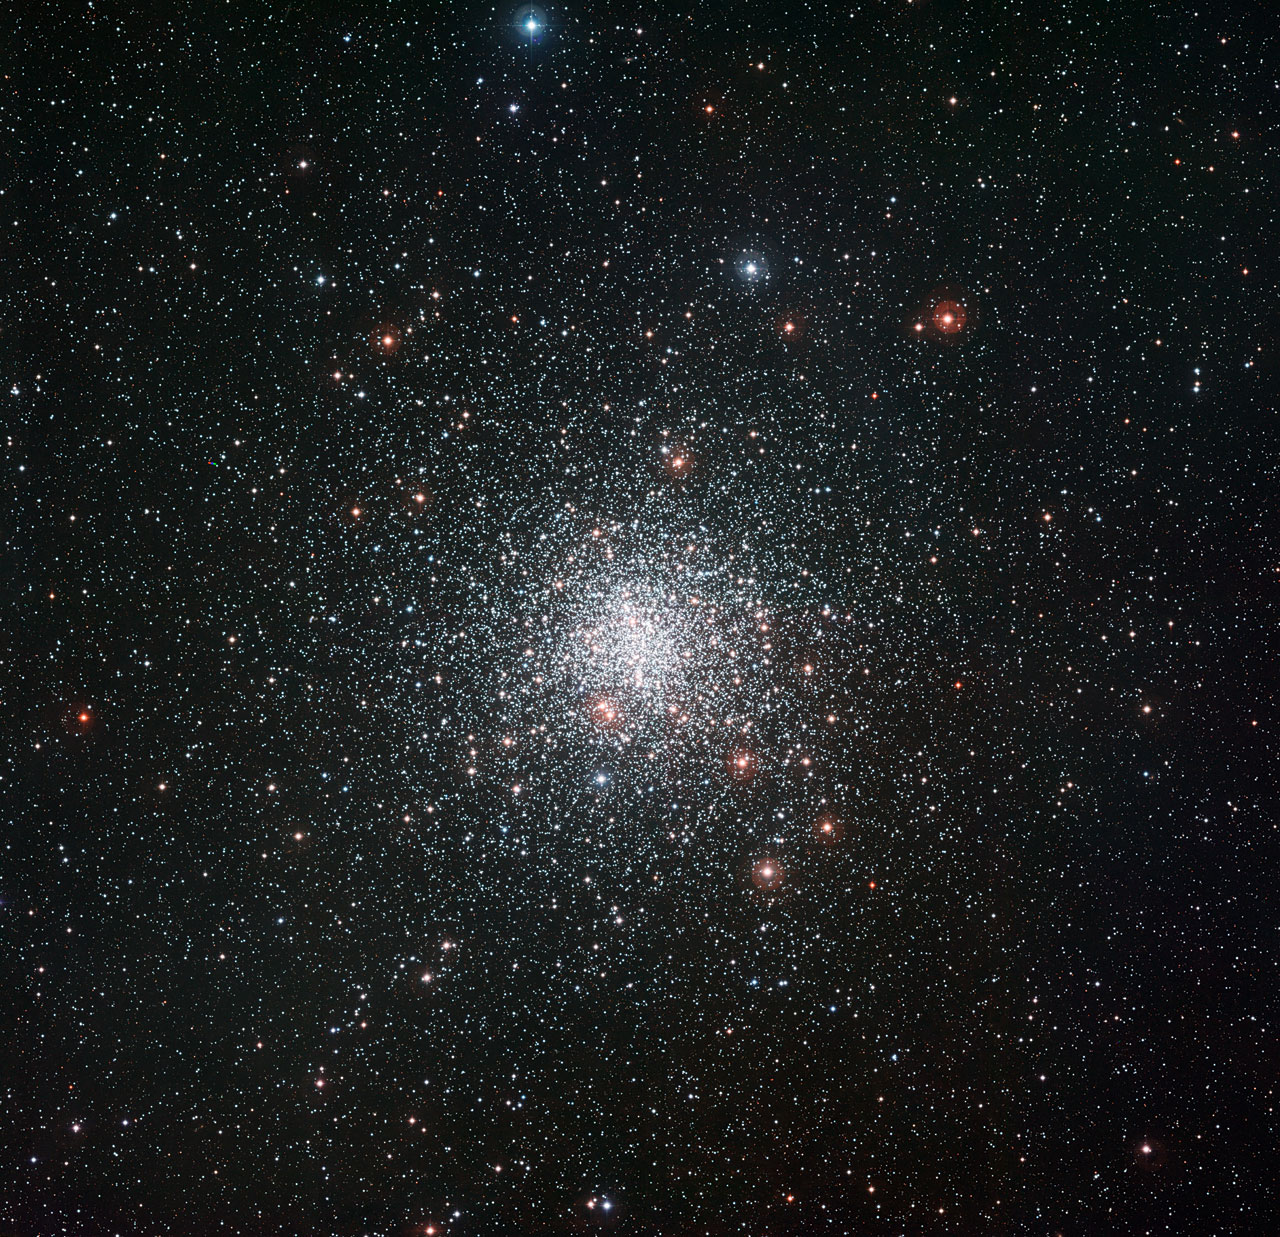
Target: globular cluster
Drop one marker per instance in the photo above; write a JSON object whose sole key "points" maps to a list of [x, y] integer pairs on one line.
{"points": [[641, 621]]}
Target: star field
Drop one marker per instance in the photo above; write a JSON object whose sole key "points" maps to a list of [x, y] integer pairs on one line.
{"points": [[645, 621]]}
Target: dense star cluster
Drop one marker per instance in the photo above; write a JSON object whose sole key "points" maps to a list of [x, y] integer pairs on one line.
{"points": [[645, 621]]}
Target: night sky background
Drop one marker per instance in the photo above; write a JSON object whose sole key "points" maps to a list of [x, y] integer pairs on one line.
{"points": [[653, 620]]}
